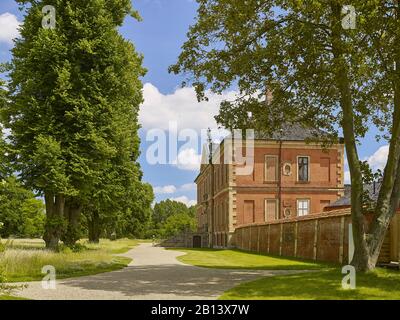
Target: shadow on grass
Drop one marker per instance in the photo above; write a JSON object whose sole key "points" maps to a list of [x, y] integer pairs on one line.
{"points": [[324, 285], [72, 270]]}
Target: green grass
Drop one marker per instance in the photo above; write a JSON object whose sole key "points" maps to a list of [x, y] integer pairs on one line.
{"points": [[7, 297], [324, 283], [381, 284], [237, 259], [23, 260]]}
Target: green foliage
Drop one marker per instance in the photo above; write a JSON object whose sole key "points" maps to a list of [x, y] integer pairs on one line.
{"points": [[5, 289], [135, 217], [21, 213], [167, 208], [74, 92], [4, 161], [178, 223], [169, 218], [72, 104], [281, 47]]}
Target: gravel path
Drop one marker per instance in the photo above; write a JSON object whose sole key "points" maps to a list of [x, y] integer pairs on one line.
{"points": [[153, 274]]}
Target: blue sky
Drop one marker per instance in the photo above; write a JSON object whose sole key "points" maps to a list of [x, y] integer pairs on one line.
{"points": [[159, 38]]}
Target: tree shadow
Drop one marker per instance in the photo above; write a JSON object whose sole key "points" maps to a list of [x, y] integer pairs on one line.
{"points": [[173, 279]]}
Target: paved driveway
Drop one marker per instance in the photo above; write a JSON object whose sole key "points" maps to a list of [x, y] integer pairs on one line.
{"points": [[154, 273]]}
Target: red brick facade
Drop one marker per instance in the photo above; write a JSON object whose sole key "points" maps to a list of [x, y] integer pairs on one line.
{"points": [[289, 179]]}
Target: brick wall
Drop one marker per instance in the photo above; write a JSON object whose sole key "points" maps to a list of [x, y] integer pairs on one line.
{"points": [[321, 237]]}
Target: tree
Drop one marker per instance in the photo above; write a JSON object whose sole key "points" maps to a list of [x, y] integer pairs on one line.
{"points": [[21, 214], [178, 223], [135, 218], [321, 74], [69, 88], [3, 161], [126, 215], [164, 209], [170, 218]]}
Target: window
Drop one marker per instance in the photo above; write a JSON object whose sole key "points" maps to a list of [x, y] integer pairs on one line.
{"points": [[271, 209], [271, 168], [303, 169], [303, 207]]}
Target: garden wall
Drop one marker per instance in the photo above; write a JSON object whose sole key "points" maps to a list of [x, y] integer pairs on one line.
{"points": [[321, 237]]}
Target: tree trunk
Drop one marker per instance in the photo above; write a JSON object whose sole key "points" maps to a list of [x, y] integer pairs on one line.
{"points": [[94, 227], [73, 211], [361, 254], [54, 220], [388, 200]]}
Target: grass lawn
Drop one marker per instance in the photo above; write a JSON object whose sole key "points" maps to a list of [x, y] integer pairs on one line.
{"points": [[237, 259], [23, 260], [324, 285], [6, 297]]}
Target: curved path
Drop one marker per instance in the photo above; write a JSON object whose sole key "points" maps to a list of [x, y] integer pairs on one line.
{"points": [[154, 273]]}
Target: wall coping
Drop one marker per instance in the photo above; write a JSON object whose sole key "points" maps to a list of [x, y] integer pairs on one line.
{"points": [[328, 214]]}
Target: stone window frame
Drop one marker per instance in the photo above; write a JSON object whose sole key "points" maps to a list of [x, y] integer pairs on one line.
{"points": [[308, 200], [308, 171]]}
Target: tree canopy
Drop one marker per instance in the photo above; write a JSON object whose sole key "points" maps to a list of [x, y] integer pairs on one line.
{"points": [[171, 218], [320, 72], [72, 107]]}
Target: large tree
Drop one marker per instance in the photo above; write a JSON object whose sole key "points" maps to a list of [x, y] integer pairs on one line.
{"points": [[321, 72], [69, 89]]}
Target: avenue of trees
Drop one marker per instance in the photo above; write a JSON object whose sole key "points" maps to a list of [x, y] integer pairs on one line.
{"points": [[71, 105], [323, 69]]}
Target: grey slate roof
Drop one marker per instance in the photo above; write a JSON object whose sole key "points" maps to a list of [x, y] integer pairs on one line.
{"points": [[373, 190], [291, 132]]}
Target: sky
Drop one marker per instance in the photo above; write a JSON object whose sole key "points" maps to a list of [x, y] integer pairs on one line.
{"points": [[169, 112]]}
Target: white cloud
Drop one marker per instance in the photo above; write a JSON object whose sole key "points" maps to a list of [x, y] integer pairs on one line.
{"points": [[170, 189], [379, 158], [188, 187], [376, 161], [188, 159], [181, 106], [165, 190], [185, 200], [9, 25]]}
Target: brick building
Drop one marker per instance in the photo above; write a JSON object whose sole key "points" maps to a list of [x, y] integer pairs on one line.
{"points": [[290, 178]]}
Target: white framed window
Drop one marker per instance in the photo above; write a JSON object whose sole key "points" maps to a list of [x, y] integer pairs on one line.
{"points": [[271, 209], [303, 207], [271, 168], [303, 168]]}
